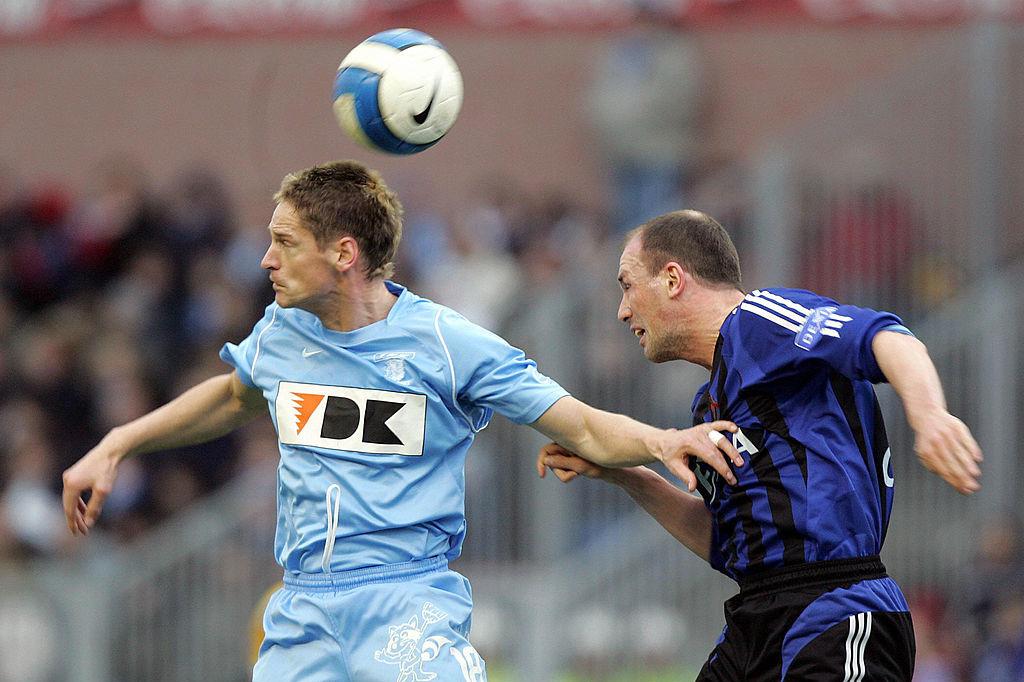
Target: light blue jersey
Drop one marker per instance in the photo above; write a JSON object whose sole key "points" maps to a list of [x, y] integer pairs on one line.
{"points": [[374, 425]]}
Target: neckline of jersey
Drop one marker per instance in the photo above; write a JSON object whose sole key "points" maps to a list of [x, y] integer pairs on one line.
{"points": [[371, 330]]}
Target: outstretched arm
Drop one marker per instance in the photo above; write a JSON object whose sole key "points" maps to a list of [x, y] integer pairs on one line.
{"points": [[614, 440], [684, 516], [943, 443], [202, 413]]}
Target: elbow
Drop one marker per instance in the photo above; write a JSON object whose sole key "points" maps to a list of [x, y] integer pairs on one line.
{"points": [[565, 423]]}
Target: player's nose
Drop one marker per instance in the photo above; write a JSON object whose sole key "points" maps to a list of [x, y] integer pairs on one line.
{"points": [[624, 312], [269, 260]]}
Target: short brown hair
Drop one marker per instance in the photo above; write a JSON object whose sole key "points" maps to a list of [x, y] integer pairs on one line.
{"points": [[345, 198], [693, 239]]}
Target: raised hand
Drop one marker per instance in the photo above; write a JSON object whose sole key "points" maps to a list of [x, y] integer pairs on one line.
{"points": [[705, 442], [95, 473], [946, 447]]}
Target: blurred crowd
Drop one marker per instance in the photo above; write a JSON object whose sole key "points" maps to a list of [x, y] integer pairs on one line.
{"points": [[113, 299], [974, 629]]}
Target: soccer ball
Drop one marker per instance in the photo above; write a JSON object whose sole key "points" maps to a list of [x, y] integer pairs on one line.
{"points": [[398, 91]]}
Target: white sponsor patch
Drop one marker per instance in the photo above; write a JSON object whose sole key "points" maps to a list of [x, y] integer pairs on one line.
{"points": [[353, 419], [812, 330]]}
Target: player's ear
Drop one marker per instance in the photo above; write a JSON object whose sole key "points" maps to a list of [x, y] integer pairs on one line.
{"points": [[347, 250], [675, 278]]}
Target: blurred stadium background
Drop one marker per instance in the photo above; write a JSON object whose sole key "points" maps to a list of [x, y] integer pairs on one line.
{"points": [[869, 149]]}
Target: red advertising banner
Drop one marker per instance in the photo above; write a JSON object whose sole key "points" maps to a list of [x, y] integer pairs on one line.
{"points": [[54, 18]]}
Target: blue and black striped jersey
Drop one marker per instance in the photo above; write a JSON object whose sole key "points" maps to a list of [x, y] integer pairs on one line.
{"points": [[794, 370]]}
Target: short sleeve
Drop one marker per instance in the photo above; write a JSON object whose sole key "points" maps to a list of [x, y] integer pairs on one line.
{"points": [[783, 333], [489, 374], [244, 355]]}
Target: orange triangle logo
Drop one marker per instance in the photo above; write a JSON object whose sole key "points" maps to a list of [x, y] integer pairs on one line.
{"points": [[305, 406]]}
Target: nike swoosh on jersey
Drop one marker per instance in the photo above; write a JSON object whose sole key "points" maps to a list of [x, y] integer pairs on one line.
{"points": [[306, 352]]}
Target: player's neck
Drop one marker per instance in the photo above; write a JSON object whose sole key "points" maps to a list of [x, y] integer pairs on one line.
{"points": [[360, 304], [712, 315]]}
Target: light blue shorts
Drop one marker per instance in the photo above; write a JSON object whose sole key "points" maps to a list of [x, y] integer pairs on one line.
{"points": [[397, 623]]}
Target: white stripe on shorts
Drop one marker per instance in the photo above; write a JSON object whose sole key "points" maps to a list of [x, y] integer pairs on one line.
{"points": [[856, 643]]}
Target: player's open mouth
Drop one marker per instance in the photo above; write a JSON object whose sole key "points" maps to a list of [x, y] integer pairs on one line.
{"points": [[640, 334]]}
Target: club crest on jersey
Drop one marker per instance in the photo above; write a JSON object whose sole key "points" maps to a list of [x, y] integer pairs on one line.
{"points": [[394, 364], [405, 649], [810, 333], [352, 419]]}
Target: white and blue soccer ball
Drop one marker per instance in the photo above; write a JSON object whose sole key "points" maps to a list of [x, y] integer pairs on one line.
{"points": [[398, 91]]}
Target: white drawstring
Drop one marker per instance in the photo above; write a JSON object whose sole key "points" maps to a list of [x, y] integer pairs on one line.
{"points": [[333, 511]]}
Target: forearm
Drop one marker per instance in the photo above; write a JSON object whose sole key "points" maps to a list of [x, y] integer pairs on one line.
{"points": [[204, 412], [611, 440], [684, 516], [909, 370]]}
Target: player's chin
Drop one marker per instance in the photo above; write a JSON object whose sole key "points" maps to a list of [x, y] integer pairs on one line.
{"points": [[282, 299], [655, 355]]}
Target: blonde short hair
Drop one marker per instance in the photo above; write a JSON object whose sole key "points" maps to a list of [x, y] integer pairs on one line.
{"points": [[345, 198]]}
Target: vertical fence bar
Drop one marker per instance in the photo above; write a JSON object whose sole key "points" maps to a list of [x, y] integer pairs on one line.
{"points": [[998, 392], [774, 218], [988, 87]]}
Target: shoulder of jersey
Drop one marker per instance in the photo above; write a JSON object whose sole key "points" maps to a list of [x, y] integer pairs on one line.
{"points": [[422, 317], [419, 307], [784, 308], [290, 315]]}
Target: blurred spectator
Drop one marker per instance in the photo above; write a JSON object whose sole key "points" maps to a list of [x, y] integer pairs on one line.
{"points": [[242, 255], [118, 217], [141, 312], [722, 189], [479, 246], [644, 106], [1001, 658], [200, 215], [491, 273], [937, 654], [8, 319], [996, 577], [935, 278], [212, 306], [425, 247], [492, 214], [46, 370], [29, 506], [36, 247]]}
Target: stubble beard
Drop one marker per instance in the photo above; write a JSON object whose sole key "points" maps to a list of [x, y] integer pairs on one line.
{"points": [[666, 349]]}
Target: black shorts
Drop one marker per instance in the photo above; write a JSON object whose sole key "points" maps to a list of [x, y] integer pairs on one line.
{"points": [[840, 621]]}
